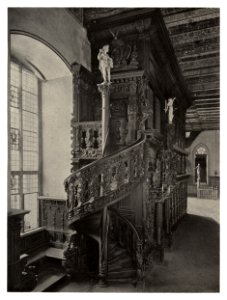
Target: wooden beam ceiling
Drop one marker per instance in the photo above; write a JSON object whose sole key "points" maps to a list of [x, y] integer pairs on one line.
{"points": [[195, 37]]}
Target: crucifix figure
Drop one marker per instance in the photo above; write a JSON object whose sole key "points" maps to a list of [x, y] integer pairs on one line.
{"points": [[105, 63]]}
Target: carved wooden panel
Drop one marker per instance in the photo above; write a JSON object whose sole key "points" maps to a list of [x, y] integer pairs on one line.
{"points": [[33, 241], [53, 218], [87, 138], [104, 181]]}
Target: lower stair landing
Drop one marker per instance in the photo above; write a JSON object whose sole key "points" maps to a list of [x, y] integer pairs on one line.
{"points": [[49, 281], [49, 269]]}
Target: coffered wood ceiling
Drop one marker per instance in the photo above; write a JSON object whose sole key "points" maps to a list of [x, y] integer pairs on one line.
{"points": [[194, 33]]}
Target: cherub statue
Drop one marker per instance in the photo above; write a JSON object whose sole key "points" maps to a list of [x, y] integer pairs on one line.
{"points": [[105, 63], [169, 108]]}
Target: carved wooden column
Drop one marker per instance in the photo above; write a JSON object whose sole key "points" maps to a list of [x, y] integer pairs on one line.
{"points": [[104, 89], [132, 113], [75, 115], [15, 219]]}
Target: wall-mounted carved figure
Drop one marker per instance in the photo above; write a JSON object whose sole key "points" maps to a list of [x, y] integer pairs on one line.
{"points": [[121, 55], [105, 63], [169, 108], [134, 62]]}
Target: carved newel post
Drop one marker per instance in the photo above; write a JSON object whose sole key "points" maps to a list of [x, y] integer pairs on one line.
{"points": [[105, 64], [104, 90]]}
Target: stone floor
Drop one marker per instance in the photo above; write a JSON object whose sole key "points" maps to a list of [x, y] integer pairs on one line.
{"points": [[210, 209], [191, 265]]}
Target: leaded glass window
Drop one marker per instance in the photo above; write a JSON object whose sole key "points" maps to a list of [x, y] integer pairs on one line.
{"points": [[24, 143]]}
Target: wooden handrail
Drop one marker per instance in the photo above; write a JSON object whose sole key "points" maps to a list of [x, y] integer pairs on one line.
{"points": [[105, 181], [140, 141]]}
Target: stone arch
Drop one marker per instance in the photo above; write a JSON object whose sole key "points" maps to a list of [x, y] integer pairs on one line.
{"points": [[55, 27]]}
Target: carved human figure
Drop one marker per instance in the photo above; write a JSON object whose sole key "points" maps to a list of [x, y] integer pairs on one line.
{"points": [[90, 139], [157, 174], [113, 184], [126, 172], [78, 194], [70, 196], [105, 63], [197, 168], [169, 109]]}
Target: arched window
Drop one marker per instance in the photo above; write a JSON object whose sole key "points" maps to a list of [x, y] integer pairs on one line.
{"points": [[24, 143], [201, 158]]}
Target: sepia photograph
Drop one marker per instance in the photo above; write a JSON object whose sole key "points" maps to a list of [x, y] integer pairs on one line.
{"points": [[113, 149]]}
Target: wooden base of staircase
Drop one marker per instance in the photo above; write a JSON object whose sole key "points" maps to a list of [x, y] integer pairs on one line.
{"points": [[120, 265]]}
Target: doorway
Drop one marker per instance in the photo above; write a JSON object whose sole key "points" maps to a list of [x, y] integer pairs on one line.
{"points": [[202, 160]]}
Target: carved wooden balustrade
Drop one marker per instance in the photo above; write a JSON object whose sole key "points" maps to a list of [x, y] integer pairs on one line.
{"points": [[206, 192], [104, 181], [170, 207], [175, 205], [87, 140], [35, 240]]}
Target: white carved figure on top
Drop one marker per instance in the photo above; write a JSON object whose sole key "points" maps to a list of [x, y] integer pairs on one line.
{"points": [[169, 108], [105, 63]]}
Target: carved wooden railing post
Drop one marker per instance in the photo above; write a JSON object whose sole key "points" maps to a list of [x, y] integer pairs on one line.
{"points": [[103, 247], [151, 191], [71, 255], [159, 222], [104, 89]]}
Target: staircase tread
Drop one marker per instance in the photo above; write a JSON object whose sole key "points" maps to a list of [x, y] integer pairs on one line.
{"points": [[119, 250], [116, 259], [48, 252], [120, 263], [123, 280], [55, 253], [48, 281], [122, 271]]}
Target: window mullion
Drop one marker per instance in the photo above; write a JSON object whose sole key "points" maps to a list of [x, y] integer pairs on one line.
{"points": [[21, 142], [40, 168]]}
